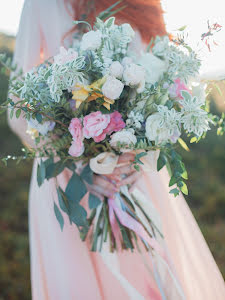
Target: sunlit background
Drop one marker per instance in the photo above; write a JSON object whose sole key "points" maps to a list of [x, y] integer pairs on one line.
{"points": [[205, 162]]}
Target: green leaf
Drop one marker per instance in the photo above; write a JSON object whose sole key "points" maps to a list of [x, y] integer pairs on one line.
{"points": [[41, 173], [11, 113], [75, 189], [186, 95], [184, 175], [18, 113], [184, 189], [175, 192], [38, 117], [161, 161], [182, 28], [62, 201], [193, 140], [37, 140], [93, 201], [137, 167], [78, 214], [54, 169], [183, 144], [59, 216], [140, 155], [87, 174], [173, 180], [109, 22]]}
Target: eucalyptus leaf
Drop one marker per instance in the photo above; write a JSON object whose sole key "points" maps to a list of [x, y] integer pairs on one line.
{"points": [[75, 189], [78, 214], [87, 174], [62, 201], [93, 201], [41, 173], [54, 169], [59, 216]]}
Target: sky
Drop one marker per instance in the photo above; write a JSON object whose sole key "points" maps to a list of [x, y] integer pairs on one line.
{"points": [[193, 13]]}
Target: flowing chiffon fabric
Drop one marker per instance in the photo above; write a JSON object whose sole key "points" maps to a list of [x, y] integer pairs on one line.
{"points": [[62, 267]]}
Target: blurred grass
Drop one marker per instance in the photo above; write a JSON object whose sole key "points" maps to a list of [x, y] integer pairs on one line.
{"points": [[205, 164]]}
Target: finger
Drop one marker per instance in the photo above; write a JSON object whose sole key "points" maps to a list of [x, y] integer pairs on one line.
{"points": [[130, 179], [126, 158], [98, 191], [105, 184], [102, 191], [113, 177], [127, 170]]}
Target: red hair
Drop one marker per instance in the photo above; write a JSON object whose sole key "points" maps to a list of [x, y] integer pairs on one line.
{"points": [[144, 15]]}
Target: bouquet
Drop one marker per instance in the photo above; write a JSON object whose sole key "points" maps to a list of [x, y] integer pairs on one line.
{"points": [[98, 99]]}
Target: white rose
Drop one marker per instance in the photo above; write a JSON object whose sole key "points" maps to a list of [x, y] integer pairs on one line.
{"points": [[91, 40], [125, 137], [154, 67], [112, 88], [128, 30], [126, 61], [154, 131], [133, 75], [116, 69]]}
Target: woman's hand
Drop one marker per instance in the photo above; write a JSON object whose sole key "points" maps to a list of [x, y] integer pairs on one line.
{"points": [[108, 185]]}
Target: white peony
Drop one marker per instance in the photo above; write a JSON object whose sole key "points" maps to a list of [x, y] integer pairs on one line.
{"points": [[116, 69], [125, 137], [163, 126], [134, 75], [128, 30], [154, 67], [112, 88], [126, 61], [91, 40]]}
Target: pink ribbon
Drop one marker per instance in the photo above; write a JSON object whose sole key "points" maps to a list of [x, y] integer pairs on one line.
{"points": [[115, 227], [129, 222]]}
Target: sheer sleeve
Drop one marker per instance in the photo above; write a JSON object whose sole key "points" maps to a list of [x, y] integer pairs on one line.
{"points": [[26, 55], [42, 26]]}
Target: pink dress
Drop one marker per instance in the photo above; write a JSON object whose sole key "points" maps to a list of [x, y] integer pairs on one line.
{"points": [[62, 267]]}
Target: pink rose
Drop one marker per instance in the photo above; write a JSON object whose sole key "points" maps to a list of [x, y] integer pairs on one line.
{"points": [[76, 129], [176, 88], [65, 56], [116, 124], [76, 148], [94, 124]]}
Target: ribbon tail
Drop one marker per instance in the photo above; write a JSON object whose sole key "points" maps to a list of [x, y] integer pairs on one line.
{"points": [[115, 227]]}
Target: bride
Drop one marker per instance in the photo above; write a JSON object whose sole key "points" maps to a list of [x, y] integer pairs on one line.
{"points": [[62, 267]]}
